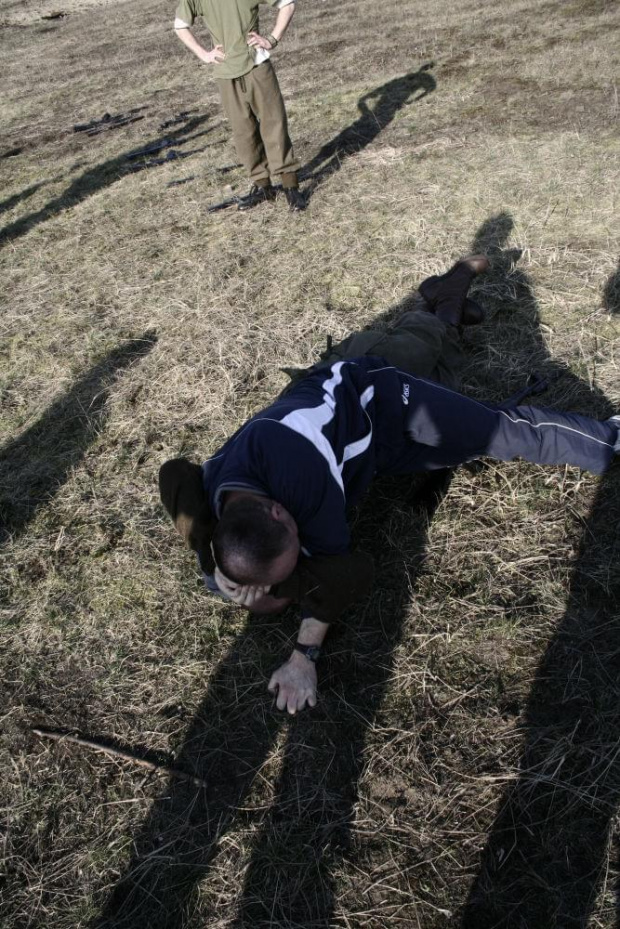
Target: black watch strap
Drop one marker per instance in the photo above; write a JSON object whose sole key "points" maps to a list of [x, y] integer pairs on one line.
{"points": [[312, 652]]}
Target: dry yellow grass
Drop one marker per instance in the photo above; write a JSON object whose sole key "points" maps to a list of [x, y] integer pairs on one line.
{"points": [[482, 675]]}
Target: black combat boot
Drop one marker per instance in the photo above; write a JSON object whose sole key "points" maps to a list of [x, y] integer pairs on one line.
{"points": [[258, 194]]}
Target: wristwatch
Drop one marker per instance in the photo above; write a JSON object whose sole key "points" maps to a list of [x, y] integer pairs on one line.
{"points": [[312, 652]]}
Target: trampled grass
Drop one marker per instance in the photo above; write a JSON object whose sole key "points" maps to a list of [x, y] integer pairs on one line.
{"points": [[461, 768]]}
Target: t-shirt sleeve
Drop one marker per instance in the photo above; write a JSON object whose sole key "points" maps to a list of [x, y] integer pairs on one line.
{"points": [[185, 13]]}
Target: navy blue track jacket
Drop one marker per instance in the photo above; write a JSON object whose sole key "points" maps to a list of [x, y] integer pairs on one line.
{"points": [[316, 449]]}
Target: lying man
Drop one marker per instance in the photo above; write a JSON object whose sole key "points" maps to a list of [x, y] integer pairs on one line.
{"points": [[266, 514]]}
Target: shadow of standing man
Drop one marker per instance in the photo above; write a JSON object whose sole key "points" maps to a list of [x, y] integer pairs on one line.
{"points": [[308, 832], [544, 860], [388, 100], [36, 464]]}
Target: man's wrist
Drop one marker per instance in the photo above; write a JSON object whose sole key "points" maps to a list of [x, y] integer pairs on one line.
{"points": [[310, 652], [272, 40], [300, 661]]}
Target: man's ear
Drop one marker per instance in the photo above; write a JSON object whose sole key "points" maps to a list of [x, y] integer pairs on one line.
{"points": [[282, 515], [277, 511]]}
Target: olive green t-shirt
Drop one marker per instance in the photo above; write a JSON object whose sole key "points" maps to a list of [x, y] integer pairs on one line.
{"points": [[229, 22]]}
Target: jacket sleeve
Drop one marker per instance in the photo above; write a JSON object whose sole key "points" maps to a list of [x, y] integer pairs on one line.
{"points": [[327, 585]]}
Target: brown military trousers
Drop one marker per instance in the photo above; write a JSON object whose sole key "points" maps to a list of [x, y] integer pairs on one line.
{"points": [[255, 108], [418, 343]]}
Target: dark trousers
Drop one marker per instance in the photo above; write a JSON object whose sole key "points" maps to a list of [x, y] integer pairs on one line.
{"points": [[448, 428]]}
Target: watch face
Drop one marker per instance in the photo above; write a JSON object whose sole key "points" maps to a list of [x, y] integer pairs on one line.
{"points": [[311, 652]]}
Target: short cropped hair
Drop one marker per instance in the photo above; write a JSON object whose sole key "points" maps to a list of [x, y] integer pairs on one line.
{"points": [[248, 538]]}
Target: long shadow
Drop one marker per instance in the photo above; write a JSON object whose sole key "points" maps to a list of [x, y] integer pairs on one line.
{"points": [[34, 466], [10, 202], [611, 293], [289, 881], [543, 864], [98, 178], [388, 100]]}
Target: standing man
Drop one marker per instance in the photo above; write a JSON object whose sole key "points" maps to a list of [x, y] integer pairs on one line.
{"points": [[249, 89]]}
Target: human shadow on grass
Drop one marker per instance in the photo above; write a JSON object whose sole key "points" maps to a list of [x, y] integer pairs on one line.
{"points": [[611, 293], [308, 833], [102, 176], [388, 100], [544, 860], [10, 202], [34, 466], [233, 737]]}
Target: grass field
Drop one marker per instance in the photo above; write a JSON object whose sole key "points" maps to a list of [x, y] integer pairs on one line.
{"points": [[462, 768]]}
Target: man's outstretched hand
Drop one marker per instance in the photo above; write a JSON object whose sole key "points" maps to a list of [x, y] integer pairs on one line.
{"points": [[294, 684]]}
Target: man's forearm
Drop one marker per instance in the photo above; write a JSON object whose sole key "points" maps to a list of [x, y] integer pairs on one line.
{"points": [[192, 43], [312, 632], [283, 20]]}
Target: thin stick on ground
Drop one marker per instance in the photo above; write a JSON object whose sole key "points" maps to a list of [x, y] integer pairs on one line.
{"points": [[118, 753]]}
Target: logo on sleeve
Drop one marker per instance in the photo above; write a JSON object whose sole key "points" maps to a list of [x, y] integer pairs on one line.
{"points": [[406, 394]]}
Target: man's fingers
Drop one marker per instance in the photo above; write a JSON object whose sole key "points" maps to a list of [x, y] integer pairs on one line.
{"points": [[291, 695], [282, 698], [290, 699], [299, 701], [249, 595], [279, 691], [228, 587], [307, 698]]}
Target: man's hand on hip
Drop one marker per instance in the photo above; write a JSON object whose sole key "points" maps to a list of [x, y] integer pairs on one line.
{"points": [[215, 55], [294, 684], [259, 41]]}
